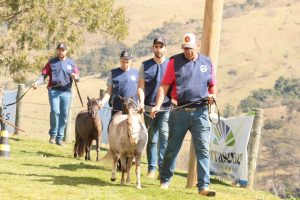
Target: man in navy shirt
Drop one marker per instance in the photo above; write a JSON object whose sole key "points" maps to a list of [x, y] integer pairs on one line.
{"points": [[61, 71], [122, 82], [150, 76], [191, 78]]}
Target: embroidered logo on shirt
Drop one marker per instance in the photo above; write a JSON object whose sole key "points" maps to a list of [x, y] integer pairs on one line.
{"points": [[203, 68], [132, 77], [69, 67]]}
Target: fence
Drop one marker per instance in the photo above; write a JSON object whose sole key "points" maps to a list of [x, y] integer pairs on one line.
{"points": [[253, 147]]}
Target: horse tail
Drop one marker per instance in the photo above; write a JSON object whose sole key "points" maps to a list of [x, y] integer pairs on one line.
{"points": [[80, 148], [107, 157]]}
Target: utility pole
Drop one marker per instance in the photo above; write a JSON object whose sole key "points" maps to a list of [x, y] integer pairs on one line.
{"points": [[209, 47]]}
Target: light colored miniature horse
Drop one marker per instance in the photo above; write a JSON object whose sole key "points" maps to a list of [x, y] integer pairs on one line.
{"points": [[88, 127], [127, 137]]}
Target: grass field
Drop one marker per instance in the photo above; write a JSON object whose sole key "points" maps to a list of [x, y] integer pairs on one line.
{"points": [[39, 170]]}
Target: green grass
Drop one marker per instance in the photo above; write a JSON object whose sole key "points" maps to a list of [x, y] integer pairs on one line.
{"points": [[39, 170]]}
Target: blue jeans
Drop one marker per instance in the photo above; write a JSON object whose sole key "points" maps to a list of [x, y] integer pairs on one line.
{"points": [[157, 139], [197, 123], [59, 108]]}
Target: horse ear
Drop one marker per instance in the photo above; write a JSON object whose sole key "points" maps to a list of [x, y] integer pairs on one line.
{"points": [[88, 98]]}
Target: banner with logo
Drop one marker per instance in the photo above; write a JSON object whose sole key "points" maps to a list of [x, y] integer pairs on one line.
{"points": [[9, 112], [228, 147]]}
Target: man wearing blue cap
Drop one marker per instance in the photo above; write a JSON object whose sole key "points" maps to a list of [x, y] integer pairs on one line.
{"points": [[61, 71], [121, 82]]}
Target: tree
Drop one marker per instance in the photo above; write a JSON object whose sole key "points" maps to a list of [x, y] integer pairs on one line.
{"points": [[228, 110], [34, 27]]}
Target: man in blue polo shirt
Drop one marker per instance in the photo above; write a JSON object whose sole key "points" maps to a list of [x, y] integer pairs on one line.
{"points": [[150, 76], [61, 71], [192, 79], [121, 82]]}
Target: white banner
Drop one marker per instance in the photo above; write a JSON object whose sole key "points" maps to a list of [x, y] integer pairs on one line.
{"points": [[228, 147], [9, 112]]}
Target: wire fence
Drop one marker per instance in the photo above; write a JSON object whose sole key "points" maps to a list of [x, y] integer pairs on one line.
{"points": [[281, 139]]}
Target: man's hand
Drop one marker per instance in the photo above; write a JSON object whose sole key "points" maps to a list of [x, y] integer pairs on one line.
{"points": [[100, 104], [34, 85], [74, 76], [211, 98], [141, 108], [153, 111]]}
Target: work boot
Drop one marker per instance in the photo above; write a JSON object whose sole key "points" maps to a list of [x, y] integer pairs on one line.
{"points": [[52, 140], [59, 143], [164, 186], [151, 174], [207, 192]]}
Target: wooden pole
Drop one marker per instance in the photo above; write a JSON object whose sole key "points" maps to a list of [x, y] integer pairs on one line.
{"points": [[209, 47], [68, 128], [212, 30], [254, 143], [101, 94], [1, 108], [20, 92]]}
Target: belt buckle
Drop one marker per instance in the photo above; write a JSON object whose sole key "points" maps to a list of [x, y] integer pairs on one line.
{"points": [[190, 109]]}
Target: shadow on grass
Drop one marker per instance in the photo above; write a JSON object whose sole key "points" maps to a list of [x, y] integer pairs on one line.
{"points": [[72, 167], [44, 154], [15, 139], [67, 180], [219, 182], [182, 174]]}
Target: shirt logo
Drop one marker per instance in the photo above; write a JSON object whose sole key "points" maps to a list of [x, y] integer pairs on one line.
{"points": [[203, 68], [132, 77], [69, 67]]}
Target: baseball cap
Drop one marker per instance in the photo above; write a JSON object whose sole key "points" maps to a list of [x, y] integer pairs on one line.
{"points": [[126, 55], [189, 40], [62, 46], [159, 39]]}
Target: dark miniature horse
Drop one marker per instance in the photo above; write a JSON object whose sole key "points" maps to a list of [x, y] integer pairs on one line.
{"points": [[88, 127]]}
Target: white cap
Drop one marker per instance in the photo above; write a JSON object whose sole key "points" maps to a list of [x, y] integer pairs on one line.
{"points": [[189, 40]]}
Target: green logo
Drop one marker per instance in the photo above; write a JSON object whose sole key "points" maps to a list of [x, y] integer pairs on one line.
{"points": [[223, 135]]}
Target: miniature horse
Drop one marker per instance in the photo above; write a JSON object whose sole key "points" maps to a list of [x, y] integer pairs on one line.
{"points": [[88, 127], [127, 139]]}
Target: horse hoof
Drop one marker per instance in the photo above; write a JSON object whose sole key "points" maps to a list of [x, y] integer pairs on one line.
{"points": [[122, 182], [113, 179], [138, 187]]}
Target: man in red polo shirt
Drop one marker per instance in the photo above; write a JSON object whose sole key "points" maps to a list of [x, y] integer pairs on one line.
{"points": [[192, 79]]}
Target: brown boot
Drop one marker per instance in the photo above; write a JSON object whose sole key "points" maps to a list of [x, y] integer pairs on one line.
{"points": [[207, 192], [52, 140]]}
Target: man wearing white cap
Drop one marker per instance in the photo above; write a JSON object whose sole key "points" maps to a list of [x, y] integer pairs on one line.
{"points": [[191, 78]]}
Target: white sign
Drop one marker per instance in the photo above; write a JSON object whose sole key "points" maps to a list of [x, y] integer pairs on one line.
{"points": [[9, 112], [105, 114], [228, 147]]}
